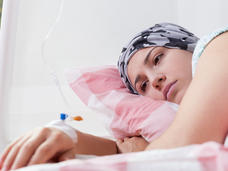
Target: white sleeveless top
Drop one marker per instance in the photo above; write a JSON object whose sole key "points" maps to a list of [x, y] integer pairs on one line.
{"points": [[202, 43]]}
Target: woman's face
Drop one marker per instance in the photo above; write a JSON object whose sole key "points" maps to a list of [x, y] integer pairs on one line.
{"points": [[161, 73]]}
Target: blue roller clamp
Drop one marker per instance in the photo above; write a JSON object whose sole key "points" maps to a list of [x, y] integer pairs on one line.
{"points": [[63, 116]]}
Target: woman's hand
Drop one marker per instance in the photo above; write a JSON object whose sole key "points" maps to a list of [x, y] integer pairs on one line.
{"points": [[39, 146], [132, 144]]}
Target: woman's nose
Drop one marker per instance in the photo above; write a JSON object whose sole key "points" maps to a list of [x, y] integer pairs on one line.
{"points": [[159, 81]]}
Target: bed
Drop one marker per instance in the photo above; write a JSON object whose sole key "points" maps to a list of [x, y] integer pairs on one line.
{"points": [[21, 38], [209, 156]]}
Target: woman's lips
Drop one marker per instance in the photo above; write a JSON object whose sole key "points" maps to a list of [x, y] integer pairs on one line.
{"points": [[169, 90]]}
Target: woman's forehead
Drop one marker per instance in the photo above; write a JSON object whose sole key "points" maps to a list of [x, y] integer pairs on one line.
{"points": [[141, 54], [137, 63]]}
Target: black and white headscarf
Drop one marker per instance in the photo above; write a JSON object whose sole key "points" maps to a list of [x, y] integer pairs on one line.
{"points": [[163, 34]]}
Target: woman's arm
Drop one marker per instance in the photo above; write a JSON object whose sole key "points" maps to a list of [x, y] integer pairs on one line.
{"points": [[45, 144], [90, 144], [203, 112]]}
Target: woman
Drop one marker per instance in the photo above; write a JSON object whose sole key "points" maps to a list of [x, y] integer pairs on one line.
{"points": [[148, 69], [155, 69]]}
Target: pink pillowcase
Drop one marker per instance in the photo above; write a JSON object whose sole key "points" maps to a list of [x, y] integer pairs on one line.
{"points": [[101, 88]]}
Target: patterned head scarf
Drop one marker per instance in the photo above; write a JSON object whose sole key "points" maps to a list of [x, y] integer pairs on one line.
{"points": [[163, 34]]}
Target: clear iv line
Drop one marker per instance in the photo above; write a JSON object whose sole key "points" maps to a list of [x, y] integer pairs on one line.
{"points": [[52, 71]]}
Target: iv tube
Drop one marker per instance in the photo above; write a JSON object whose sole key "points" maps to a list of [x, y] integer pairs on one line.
{"points": [[52, 71]]}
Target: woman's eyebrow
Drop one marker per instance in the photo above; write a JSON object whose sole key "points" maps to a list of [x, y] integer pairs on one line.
{"points": [[148, 55]]}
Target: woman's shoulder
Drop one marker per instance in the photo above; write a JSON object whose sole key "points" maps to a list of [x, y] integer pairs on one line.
{"points": [[202, 43]]}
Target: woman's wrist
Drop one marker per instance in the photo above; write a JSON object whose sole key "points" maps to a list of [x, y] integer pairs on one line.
{"points": [[67, 129]]}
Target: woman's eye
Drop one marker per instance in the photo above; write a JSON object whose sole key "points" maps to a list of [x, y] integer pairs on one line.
{"points": [[143, 86], [157, 59]]}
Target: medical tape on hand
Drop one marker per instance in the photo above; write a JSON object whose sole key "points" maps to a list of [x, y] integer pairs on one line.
{"points": [[62, 126]]}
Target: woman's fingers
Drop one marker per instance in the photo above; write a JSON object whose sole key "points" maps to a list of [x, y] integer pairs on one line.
{"points": [[7, 150], [55, 144], [132, 144], [27, 150], [120, 145], [119, 141], [10, 146], [44, 153], [40, 146], [70, 154], [11, 155]]}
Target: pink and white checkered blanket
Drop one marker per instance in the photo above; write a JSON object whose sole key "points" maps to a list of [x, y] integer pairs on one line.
{"points": [[209, 156]]}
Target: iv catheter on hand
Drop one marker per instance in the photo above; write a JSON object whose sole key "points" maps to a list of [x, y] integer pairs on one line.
{"points": [[64, 116]]}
